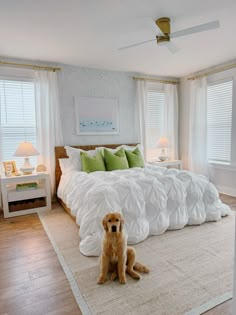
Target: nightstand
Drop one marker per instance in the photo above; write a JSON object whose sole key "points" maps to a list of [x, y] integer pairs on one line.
{"points": [[21, 202], [168, 163]]}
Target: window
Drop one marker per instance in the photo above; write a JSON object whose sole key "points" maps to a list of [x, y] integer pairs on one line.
{"points": [[219, 120], [17, 114], [155, 120]]}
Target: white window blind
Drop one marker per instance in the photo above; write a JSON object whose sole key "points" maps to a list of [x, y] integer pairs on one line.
{"points": [[155, 120], [219, 120], [17, 113]]}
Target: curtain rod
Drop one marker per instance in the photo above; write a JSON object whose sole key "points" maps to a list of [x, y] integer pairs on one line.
{"points": [[156, 80], [205, 74], [30, 66]]}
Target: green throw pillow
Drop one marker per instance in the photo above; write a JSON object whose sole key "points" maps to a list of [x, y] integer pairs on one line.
{"points": [[135, 158], [115, 161], [92, 163]]}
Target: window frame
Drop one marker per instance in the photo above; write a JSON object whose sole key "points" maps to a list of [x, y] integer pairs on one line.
{"points": [[157, 87], [20, 78], [231, 165]]}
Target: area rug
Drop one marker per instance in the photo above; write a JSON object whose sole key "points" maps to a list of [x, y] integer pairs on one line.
{"points": [[191, 269]]}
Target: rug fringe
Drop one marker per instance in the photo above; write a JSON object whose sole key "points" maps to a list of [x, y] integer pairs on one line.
{"points": [[211, 304]]}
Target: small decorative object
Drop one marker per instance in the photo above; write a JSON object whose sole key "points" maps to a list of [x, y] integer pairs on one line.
{"points": [[163, 144], [26, 149], [10, 168], [41, 168], [97, 116]]}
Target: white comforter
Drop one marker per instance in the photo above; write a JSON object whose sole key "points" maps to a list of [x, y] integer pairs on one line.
{"points": [[152, 200]]}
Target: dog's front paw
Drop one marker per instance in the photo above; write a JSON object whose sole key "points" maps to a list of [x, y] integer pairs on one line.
{"points": [[101, 280], [122, 280]]}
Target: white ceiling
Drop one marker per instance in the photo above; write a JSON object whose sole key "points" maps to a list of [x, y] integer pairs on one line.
{"points": [[88, 33]]}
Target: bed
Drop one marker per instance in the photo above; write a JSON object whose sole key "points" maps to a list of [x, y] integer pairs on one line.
{"points": [[60, 153], [152, 200]]}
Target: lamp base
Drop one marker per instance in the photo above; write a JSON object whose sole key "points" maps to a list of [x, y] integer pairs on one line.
{"points": [[163, 158], [27, 168], [164, 155], [27, 171]]}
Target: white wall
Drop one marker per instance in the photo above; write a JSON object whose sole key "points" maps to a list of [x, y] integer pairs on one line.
{"points": [[16, 73], [224, 177], [78, 81]]}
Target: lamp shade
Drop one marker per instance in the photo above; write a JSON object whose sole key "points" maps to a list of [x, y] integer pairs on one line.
{"points": [[163, 143], [26, 149]]}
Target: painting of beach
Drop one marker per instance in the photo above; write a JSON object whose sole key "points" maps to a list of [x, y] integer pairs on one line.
{"points": [[96, 115]]}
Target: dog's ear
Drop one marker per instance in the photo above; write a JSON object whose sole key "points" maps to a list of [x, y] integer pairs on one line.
{"points": [[104, 223], [122, 221]]}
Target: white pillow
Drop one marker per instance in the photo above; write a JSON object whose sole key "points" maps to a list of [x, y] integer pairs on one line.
{"points": [[67, 165], [74, 155]]}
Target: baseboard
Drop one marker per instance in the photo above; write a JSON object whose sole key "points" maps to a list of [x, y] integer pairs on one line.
{"points": [[226, 190]]}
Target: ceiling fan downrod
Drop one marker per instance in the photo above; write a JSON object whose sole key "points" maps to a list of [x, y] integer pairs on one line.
{"points": [[164, 25]]}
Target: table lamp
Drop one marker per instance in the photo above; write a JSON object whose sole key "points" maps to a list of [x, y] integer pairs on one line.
{"points": [[163, 143], [26, 149]]}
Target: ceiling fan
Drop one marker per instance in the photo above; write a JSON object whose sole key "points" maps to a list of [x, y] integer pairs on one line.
{"points": [[165, 35]]}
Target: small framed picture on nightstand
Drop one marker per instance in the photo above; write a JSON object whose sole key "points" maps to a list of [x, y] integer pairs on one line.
{"points": [[10, 168]]}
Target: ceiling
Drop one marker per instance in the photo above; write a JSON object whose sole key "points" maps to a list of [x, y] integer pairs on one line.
{"points": [[88, 32]]}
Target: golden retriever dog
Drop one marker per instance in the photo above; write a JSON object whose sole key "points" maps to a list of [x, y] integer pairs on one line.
{"points": [[117, 257]]}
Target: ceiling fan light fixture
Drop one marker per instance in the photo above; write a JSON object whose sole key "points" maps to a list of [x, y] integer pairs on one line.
{"points": [[162, 39]]}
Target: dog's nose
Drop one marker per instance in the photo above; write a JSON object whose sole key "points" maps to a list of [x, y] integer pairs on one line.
{"points": [[113, 228]]}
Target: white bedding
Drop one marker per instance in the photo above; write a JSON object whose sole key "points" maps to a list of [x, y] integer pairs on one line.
{"points": [[151, 199]]}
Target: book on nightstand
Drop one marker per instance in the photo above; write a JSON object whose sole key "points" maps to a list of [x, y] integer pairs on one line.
{"points": [[26, 186]]}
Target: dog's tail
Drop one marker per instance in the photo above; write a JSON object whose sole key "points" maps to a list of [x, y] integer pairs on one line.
{"points": [[141, 268]]}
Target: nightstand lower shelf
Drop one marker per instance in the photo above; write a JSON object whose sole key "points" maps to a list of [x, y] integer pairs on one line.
{"points": [[14, 195], [32, 203]]}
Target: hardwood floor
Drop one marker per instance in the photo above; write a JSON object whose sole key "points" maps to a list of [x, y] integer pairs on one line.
{"points": [[229, 200], [222, 309], [32, 280]]}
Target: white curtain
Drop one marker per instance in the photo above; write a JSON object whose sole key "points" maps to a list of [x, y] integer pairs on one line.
{"points": [[198, 127], [141, 110], [171, 119], [49, 132]]}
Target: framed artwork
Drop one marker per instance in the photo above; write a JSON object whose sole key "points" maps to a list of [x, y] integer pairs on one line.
{"points": [[10, 168], [97, 116]]}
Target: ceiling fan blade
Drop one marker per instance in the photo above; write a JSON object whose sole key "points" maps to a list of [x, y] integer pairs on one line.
{"points": [[137, 44], [196, 29], [172, 47]]}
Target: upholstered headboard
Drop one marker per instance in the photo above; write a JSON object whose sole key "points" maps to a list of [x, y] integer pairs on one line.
{"points": [[60, 153]]}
